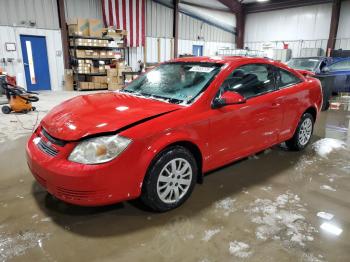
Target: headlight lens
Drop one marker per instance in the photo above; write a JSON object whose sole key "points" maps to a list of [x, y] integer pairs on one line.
{"points": [[99, 150]]}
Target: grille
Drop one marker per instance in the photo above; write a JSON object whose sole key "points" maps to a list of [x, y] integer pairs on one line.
{"points": [[47, 148], [53, 140], [78, 194]]}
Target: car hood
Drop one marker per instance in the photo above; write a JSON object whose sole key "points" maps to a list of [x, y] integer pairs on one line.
{"points": [[87, 115]]}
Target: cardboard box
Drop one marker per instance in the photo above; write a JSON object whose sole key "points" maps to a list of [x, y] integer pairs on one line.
{"points": [[68, 80], [101, 69], [94, 70], [80, 53], [89, 53], [113, 72], [114, 86], [96, 54], [78, 26], [115, 79], [84, 85], [95, 27]]}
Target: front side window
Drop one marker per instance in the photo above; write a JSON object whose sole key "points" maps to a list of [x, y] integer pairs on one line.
{"points": [[285, 78], [179, 82], [340, 66], [250, 80]]}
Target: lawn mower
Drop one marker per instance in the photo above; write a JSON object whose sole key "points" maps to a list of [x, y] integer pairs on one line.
{"points": [[20, 100]]}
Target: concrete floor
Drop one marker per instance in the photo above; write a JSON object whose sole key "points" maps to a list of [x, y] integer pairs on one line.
{"points": [[264, 208]]}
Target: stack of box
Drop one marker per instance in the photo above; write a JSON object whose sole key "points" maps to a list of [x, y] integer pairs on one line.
{"points": [[88, 47], [85, 27], [78, 26]]}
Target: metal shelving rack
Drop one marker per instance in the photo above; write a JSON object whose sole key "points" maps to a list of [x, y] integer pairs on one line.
{"points": [[74, 58]]}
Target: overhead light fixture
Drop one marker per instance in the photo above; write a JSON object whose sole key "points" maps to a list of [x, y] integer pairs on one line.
{"points": [[262, 0]]}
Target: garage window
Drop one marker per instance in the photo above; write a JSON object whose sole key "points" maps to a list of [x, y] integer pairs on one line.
{"points": [[251, 80]]}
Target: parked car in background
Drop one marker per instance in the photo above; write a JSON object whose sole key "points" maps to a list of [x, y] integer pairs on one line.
{"points": [[157, 137], [312, 64], [316, 65], [338, 71]]}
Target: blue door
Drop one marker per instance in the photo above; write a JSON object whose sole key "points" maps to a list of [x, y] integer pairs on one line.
{"points": [[197, 50], [36, 66]]}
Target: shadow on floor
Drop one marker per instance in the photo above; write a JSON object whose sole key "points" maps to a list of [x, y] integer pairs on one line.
{"points": [[128, 217]]}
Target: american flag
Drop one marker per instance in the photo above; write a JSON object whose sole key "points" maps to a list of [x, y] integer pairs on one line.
{"points": [[127, 15]]}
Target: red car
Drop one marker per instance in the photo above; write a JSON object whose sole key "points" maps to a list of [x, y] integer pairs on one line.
{"points": [[157, 137]]}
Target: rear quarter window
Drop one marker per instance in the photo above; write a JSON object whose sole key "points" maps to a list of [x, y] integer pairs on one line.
{"points": [[285, 78]]}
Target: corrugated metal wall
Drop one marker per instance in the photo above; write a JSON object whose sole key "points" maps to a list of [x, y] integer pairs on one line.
{"points": [[191, 28], [301, 27], [54, 53], [308, 22], [343, 36], [160, 24], [42, 12], [83, 8], [159, 20]]}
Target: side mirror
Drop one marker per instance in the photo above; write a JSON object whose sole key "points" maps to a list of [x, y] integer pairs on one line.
{"points": [[228, 98]]}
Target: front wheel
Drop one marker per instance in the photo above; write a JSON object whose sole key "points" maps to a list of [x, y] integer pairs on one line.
{"points": [[303, 133], [170, 179]]}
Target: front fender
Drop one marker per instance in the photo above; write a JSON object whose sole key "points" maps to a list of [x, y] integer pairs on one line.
{"points": [[159, 142]]}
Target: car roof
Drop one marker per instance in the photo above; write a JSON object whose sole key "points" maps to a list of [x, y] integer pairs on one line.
{"points": [[222, 59], [310, 57]]}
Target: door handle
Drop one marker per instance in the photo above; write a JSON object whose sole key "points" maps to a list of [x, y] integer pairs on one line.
{"points": [[25, 64]]}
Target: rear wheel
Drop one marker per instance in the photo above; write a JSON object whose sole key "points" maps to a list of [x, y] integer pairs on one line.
{"points": [[6, 109], [170, 179], [303, 133]]}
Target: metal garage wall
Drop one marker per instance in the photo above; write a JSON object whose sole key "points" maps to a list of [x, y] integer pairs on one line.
{"points": [[54, 49], [83, 8], [191, 28], [159, 20], [160, 26], [20, 12], [308, 22], [343, 35], [300, 27]]}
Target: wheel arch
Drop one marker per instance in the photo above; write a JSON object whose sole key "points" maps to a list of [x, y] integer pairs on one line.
{"points": [[189, 145], [311, 110], [195, 151]]}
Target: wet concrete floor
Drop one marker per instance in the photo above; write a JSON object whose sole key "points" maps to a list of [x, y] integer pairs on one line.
{"points": [[274, 206]]}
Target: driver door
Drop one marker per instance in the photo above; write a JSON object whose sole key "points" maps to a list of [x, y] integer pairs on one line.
{"points": [[239, 130]]}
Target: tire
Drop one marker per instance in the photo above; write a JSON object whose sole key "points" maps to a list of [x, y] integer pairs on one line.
{"points": [[6, 109], [303, 133], [162, 190]]}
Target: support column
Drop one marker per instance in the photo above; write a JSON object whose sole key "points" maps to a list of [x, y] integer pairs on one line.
{"points": [[240, 23], [64, 32], [176, 27], [334, 25], [237, 8]]}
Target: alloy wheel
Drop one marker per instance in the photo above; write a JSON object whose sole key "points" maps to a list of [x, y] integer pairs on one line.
{"points": [[174, 180], [305, 132]]}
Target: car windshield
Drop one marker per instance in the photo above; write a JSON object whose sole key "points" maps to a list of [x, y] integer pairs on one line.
{"points": [[309, 64], [175, 82]]}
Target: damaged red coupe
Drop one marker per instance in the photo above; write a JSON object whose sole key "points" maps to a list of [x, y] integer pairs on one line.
{"points": [[157, 137]]}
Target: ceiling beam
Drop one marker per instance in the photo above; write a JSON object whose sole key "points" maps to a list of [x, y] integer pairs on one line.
{"points": [[204, 6], [280, 4], [234, 5]]}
